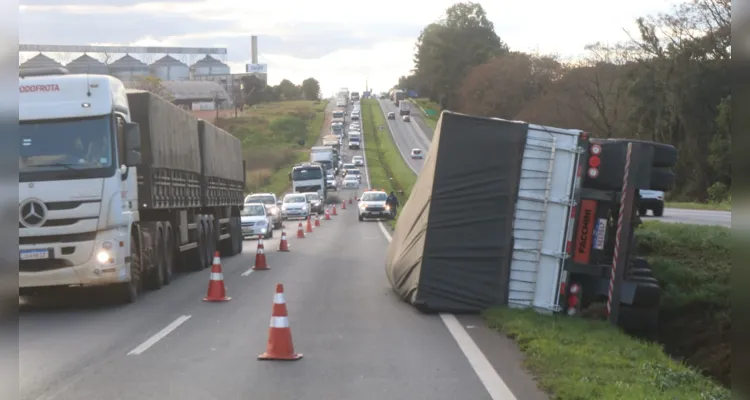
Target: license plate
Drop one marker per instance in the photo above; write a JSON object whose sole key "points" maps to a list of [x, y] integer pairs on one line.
{"points": [[34, 254]]}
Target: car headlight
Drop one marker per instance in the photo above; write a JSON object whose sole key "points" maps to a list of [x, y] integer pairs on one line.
{"points": [[387, 207]]}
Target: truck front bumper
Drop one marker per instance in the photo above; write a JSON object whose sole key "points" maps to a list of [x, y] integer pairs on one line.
{"points": [[86, 263]]}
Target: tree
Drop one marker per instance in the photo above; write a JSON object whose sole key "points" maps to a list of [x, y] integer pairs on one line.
{"points": [[251, 89], [448, 48], [153, 84], [311, 89], [289, 91]]}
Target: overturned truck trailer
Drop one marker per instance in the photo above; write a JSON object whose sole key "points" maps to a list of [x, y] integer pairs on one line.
{"points": [[488, 218]]}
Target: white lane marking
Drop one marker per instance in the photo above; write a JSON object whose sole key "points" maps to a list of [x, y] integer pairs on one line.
{"points": [[493, 383], [159, 335], [248, 272]]}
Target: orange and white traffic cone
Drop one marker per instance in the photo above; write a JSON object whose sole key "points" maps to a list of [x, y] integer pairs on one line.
{"points": [[216, 289], [328, 215], [309, 229], [334, 210], [300, 231], [279, 345], [260, 257], [283, 244], [317, 221], [343, 205]]}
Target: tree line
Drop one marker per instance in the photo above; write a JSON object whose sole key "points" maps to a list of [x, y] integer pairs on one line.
{"points": [[669, 82], [254, 91]]}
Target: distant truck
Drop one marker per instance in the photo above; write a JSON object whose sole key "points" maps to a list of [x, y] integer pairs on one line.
{"points": [[398, 95], [355, 140], [337, 128], [324, 156], [355, 96], [404, 108], [338, 114], [118, 188], [309, 177]]}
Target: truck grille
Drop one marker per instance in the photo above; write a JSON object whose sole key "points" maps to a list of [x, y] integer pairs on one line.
{"points": [[42, 265]]}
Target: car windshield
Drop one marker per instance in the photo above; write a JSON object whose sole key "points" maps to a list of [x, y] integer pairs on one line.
{"points": [[312, 196], [260, 199], [253, 210], [374, 196], [295, 199], [66, 144], [416, 151]]}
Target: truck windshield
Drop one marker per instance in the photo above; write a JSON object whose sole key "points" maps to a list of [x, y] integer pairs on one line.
{"points": [[303, 174], [66, 145]]}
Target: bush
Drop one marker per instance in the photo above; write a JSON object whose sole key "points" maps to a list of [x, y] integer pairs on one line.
{"points": [[292, 128], [719, 193]]}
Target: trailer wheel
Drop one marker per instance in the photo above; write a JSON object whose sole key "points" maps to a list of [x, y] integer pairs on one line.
{"points": [[156, 258], [169, 254], [128, 292], [665, 155], [208, 253], [196, 259]]}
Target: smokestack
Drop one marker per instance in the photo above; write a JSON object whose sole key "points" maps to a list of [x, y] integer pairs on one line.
{"points": [[254, 49]]}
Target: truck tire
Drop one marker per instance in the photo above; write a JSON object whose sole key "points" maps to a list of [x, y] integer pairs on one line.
{"points": [[195, 259], [155, 251], [659, 211], [169, 254], [208, 235], [665, 155], [128, 292], [238, 236], [639, 321]]}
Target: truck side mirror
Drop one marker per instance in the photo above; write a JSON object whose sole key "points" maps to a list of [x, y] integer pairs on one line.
{"points": [[132, 144]]}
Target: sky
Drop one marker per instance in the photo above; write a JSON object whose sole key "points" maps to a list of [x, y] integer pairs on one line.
{"points": [[342, 44]]}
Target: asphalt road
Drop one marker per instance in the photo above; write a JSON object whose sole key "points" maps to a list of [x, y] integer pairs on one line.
{"points": [[416, 134], [359, 341]]}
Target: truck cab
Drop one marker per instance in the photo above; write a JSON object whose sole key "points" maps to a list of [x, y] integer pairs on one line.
{"points": [[309, 177], [77, 181]]}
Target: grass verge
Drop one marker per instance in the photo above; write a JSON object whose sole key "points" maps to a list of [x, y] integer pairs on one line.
{"points": [[274, 137], [693, 265], [575, 358], [385, 164], [426, 104], [723, 206]]}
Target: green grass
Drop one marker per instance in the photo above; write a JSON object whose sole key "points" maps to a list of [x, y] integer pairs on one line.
{"points": [[271, 135], [386, 166], [723, 206], [430, 120], [575, 358]]}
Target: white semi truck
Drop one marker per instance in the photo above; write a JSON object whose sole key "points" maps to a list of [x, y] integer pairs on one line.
{"points": [[117, 188], [324, 156], [309, 177]]}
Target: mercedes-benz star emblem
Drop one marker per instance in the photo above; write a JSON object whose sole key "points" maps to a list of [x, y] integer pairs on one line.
{"points": [[32, 213]]}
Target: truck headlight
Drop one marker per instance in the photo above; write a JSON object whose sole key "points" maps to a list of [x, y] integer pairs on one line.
{"points": [[105, 255]]}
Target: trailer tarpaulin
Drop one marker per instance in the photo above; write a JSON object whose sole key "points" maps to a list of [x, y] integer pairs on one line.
{"points": [[452, 247]]}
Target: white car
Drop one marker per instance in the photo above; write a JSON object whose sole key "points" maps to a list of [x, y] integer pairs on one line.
{"points": [[350, 182], [417, 154], [255, 221], [358, 161], [295, 205], [372, 204], [271, 203], [651, 200], [406, 118], [348, 166], [331, 181], [355, 127], [354, 172]]}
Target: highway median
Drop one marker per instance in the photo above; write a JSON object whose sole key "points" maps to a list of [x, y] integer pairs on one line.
{"points": [[585, 357], [386, 166]]}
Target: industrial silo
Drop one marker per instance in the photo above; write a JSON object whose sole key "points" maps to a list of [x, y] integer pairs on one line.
{"points": [[129, 68], [86, 64], [209, 66], [168, 68], [40, 61]]}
